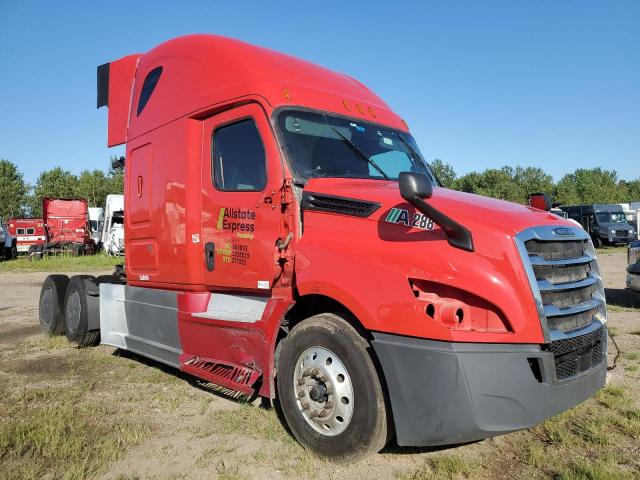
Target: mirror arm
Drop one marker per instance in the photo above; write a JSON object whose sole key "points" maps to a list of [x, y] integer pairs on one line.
{"points": [[457, 235]]}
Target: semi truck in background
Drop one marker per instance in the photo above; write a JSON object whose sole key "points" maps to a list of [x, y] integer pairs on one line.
{"points": [[112, 236], [606, 224], [66, 224], [286, 238], [96, 222], [29, 232]]}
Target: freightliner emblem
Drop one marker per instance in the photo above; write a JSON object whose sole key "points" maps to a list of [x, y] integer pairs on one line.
{"points": [[563, 231]]}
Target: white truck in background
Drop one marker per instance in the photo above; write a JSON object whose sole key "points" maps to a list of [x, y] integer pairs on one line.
{"points": [[632, 213], [112, 237], [96, 221]]}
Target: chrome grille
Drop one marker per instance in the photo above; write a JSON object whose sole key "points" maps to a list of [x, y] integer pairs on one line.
{"points": [[565, 282]]}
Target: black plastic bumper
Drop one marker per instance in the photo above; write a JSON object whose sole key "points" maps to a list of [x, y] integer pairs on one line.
{"points": [[447, 393]]}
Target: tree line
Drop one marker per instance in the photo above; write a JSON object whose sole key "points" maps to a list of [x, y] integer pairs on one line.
{"points": [[594, 185], [19, 199]]}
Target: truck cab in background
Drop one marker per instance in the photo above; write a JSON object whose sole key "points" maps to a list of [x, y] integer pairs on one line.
{"points": [[96, 222], [29, 233], [66, 223], [606, 224], [632, 212], [112, 235], [286, 238]]}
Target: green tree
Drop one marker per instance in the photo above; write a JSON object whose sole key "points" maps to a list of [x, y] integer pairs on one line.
{"points": [[590, 186], [444, 172], [94, 186], [632, 188], [116, 180], [532, 180], [13, 190], [495, 183], [54, 183]]}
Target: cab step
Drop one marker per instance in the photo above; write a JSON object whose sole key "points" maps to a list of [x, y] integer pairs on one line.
{"points": [[235, 377]]}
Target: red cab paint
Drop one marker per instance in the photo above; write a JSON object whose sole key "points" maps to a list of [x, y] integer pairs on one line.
{"points": [[267, 197], [65, 220]]}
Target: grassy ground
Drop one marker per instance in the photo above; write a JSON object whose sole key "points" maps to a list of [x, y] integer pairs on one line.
{"points": [[61, 263], [102, 413], [608, 250]]}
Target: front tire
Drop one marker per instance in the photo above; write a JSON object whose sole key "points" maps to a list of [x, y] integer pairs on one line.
{"points": [[329, 390]]}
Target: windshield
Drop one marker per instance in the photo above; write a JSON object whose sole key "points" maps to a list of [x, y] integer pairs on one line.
{"points": [[321, 145], [611, 217]]}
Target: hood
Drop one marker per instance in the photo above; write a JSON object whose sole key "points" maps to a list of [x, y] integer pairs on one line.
{"points": [[473, 211]]}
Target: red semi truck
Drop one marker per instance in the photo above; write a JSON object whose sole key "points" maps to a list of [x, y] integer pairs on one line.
{"points": [[66, 225], [29, 233], [286, 238]]}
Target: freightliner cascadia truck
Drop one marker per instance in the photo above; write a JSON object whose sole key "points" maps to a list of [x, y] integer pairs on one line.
{"points": [[285, 238]]}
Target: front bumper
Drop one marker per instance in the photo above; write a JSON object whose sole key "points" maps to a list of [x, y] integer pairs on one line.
{"points": [[447, 393]]}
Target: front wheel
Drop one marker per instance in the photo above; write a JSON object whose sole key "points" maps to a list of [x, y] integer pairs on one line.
{"points": [[329, 390]]}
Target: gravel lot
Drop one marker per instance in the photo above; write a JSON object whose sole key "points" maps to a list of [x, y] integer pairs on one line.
{"points": [[102, 413]]}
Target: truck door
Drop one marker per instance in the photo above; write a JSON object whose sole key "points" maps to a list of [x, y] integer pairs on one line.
{"points": [[242, 177]]}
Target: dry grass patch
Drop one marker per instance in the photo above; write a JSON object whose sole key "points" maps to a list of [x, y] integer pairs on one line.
{"points": [[61, 263], [442, 467], [56, 431]]}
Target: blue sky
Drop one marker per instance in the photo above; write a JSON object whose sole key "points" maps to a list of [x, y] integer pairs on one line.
{"points": [[481, 84]]}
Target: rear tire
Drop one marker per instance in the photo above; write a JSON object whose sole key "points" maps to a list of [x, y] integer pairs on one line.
{"points": [[51, 305], [329, 390], [76, 313]]}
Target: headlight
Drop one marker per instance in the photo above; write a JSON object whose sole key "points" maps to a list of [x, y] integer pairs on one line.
{"points": [[613, 231]]}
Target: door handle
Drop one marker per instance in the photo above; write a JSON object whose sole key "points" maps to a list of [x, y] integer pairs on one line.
{"points": [[209, 252]]}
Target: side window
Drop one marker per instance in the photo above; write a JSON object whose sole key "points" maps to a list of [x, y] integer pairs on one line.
{"points": [[239, 158], [147, 88]]}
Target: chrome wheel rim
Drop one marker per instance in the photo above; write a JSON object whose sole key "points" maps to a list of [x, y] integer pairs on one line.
{"points": [[73, 311], [323, 391]]}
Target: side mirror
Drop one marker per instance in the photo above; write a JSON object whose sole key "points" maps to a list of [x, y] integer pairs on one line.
{"points": [[414, 188], [117, 163], [541, 201], [415, 185]]}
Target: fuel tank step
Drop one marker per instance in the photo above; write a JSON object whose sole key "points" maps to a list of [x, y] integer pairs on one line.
{"points": [[229, 375]]}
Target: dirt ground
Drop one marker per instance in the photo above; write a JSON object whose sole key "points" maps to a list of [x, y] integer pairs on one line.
{"points": [[103, 413]]}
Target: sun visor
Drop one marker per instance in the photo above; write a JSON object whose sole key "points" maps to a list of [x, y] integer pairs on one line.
{"points": [[115, 82]]}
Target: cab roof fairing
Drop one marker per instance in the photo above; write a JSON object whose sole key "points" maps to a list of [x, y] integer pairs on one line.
{"points": [[202, 71]]}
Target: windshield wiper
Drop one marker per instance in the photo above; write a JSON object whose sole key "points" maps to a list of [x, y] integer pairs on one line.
{"points": [[359, 152]]}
